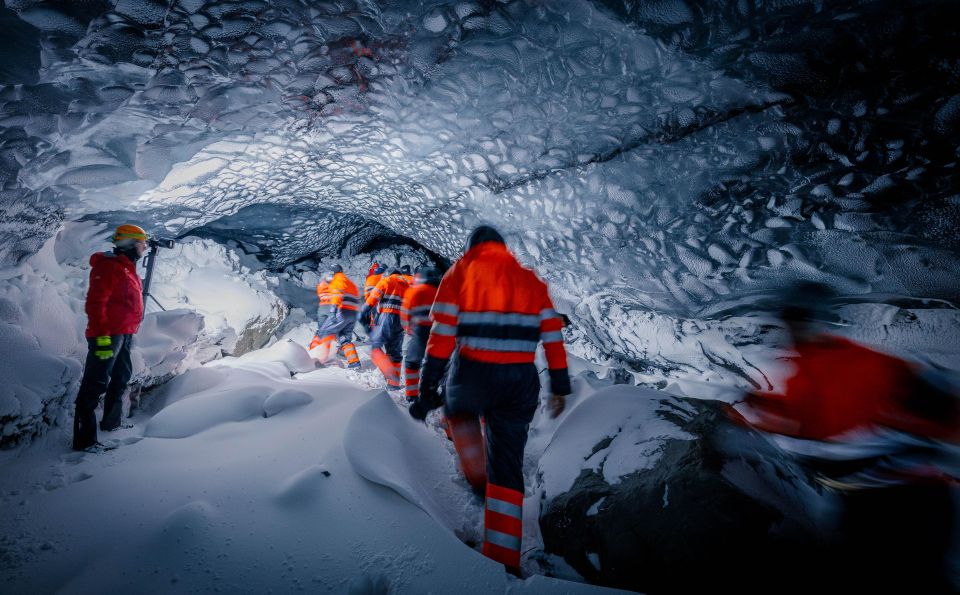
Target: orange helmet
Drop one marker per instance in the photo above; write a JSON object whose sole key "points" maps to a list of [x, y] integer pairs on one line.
{"points": [[129, 232]]}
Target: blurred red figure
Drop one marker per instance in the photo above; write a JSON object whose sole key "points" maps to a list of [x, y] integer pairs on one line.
{"points": [[882, 433]]}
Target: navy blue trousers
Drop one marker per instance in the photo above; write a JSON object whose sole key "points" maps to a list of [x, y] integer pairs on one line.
{"points": [[506, 396], [101, 376]]}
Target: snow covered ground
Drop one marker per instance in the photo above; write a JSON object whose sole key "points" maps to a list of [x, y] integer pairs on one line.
{"points": [[250, 478]]}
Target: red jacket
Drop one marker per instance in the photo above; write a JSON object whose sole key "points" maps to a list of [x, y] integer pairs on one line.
{"points": [[496, 311], [115, 299], [838, 385], [415, 310]]}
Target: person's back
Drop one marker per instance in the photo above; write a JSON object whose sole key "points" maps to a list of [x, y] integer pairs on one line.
{"points": [[415, 316], [386, 339], [492, 313]]}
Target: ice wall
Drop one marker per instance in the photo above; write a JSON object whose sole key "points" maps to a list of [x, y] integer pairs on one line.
{"points": [[665, 165]]}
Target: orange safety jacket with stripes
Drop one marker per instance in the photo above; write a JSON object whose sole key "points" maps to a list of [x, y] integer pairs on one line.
{"points": [[387, 296], [415, 310], [340, 292], [495, 311], [370, 283]]}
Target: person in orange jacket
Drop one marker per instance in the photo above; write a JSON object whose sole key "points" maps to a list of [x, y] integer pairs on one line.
{"points": [[373, 277], [337, 313], [415, 317], [876, 430], [114, 309], [386, 338], [489, 316]]}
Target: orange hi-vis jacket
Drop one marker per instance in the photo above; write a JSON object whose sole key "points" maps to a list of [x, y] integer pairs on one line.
{"points": [[370, 283], [340, 292], [387, 296], [496, 311], [415, 311]]}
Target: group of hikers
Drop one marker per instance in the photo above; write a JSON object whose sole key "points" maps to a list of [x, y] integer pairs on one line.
{"points": [[869, 425]]}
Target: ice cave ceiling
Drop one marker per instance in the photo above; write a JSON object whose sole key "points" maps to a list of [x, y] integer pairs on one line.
{"points": [[680, 156]]}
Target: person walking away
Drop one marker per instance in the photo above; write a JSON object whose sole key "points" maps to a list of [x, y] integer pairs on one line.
{"points": [[114, 308], [489, 316], [373, 277], [339, 305], [386, 339], [415, 317]]}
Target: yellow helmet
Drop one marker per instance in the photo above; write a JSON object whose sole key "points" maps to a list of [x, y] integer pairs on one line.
{"points": [[130, 232]]}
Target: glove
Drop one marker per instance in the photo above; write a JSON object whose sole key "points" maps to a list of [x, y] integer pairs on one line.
{"points": [[428, 400], [104, 347], [365, 318], [419, 410]]}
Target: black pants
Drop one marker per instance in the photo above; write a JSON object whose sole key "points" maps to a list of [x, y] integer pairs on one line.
{"points": [[506, 396], [896, 539], [101, 376]]}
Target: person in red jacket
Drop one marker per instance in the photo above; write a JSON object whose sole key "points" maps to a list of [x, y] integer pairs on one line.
{"points": [[415, 317], [337, 313], [386, 339], [114, 309], [876, 430], [489, 316]]}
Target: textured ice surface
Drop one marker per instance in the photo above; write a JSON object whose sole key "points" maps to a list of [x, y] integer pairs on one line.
{"points": [[665, 165]]}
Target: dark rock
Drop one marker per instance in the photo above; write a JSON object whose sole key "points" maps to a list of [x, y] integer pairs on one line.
{"points": [[717, 508]]}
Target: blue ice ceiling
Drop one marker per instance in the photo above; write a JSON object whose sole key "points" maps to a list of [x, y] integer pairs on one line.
{"points": [[676, 157]]}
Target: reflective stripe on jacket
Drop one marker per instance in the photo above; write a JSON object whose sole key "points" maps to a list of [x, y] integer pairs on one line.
{"points": [[370, 283], [114, 303], [496, 311], [341, 292], [387, 296], [417, 302]]}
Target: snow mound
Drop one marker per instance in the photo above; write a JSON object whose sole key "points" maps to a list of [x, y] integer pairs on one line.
{"points": [[204, 411], [385, 446]]}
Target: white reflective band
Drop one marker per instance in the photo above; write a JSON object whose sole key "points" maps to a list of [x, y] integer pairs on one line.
{"points": [[490, 344], [504, 508], [552, 337], [422, 310], [510, 542], [412, 375], [444, 329], [445, 308], [500, 318], [548, 313]]}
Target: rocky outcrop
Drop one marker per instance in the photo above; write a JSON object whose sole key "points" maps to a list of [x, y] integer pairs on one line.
{"points": [[671, 497]]}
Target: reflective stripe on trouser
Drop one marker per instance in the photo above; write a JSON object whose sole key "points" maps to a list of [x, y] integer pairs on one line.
{"points": [[321, 346], [349, 351], [411, 377], [413, 359], [338, 326], [503, 525], [389, 368], [471, 449]]}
